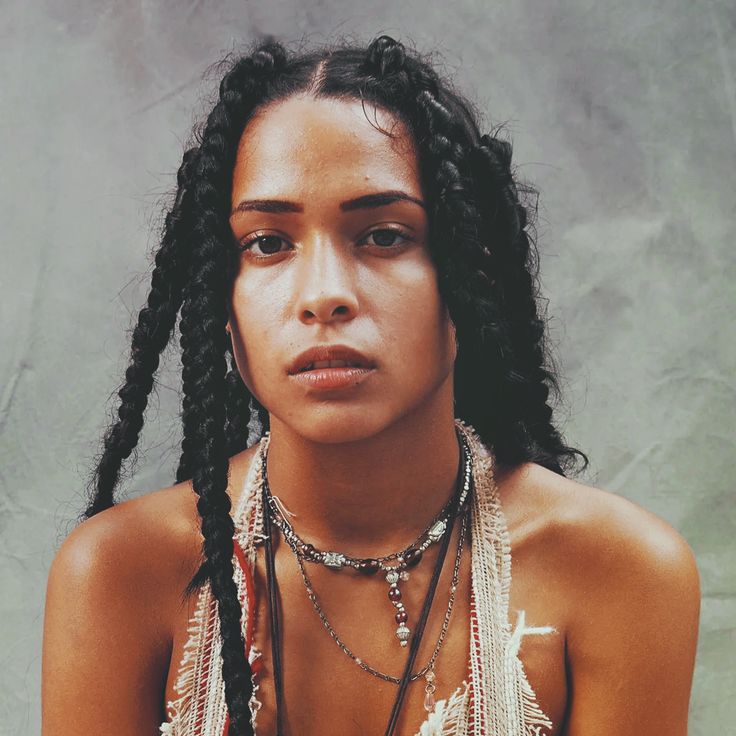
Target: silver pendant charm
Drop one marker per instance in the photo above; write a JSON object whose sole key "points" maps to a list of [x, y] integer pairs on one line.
{"points": [[429, 688], [393, 576], [335, 560], [403, 634], [437, 531]]}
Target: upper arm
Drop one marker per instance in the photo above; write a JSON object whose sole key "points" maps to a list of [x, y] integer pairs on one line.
{"points": [[632, 641], [105, 639]]}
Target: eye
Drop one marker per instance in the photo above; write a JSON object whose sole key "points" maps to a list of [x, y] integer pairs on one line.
{"points": [[386, 237], [264, 245]]}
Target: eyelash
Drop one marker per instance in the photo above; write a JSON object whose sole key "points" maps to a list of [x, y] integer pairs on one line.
{"points": [[248, 243]]}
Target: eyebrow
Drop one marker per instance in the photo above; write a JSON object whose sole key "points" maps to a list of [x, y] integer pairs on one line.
{"points": [[367, 201], [380, 199]]}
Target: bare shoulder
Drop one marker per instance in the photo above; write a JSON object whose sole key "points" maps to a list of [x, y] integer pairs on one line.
{"points": [[592, 529], [111, 597], [152, 542], [631, 591], [145, 539]]}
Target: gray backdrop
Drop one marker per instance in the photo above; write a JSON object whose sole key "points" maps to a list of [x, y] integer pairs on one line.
{"points": [[623, 114]]}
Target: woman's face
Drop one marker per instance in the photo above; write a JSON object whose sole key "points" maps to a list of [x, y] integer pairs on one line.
{"points": [[328, 212]]}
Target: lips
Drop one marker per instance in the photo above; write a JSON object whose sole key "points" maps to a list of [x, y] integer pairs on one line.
{"points": [[329, 357]]}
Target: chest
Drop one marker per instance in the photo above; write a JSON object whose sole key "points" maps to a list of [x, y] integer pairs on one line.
{"points": [[324, 684]]}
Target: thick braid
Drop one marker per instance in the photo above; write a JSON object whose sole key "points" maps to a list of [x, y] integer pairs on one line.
{"points": [[151, 335], [386, 57], [204, 342], [479, 242], [237, 411], [518, 294], [444, 137], [239, 88], [485, 357]]}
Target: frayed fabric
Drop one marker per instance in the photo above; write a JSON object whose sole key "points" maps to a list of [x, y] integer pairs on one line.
{"points": [[496, 699]]}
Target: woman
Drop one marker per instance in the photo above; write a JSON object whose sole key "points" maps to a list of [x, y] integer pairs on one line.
{"points": [[345, 237]]}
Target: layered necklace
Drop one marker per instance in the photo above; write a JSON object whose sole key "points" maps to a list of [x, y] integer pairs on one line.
{"points": [[394, 567]]}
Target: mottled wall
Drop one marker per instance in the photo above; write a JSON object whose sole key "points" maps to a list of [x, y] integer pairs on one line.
{"points": [[623, 114]]}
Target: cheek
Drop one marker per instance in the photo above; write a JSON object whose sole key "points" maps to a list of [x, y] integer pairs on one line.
{"points": [[252, 316], [419, 322]]}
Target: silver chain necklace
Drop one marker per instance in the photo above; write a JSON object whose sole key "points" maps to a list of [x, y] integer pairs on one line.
{"points": [[406, 558], [428, 670], [432, 533], [393, 575]]}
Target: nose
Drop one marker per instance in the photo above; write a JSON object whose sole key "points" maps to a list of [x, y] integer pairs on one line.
{"points": [[326, 284]]}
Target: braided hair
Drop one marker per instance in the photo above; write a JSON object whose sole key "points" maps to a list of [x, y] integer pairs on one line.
{"points": [[487, 274]]}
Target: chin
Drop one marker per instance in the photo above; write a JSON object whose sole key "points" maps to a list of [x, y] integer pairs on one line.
{"points": [[334, 423], [338, 424]]}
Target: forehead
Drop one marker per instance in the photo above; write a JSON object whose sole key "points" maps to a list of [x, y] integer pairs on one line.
{"points": [[306, 147]]}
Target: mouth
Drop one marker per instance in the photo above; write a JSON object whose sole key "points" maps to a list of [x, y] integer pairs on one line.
{"points": [[320, 364], [329, 357], [331, 367], [327, 379]]}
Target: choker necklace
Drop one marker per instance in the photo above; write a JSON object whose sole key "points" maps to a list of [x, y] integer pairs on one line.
{"points": [[410, 555], [405, 558]]}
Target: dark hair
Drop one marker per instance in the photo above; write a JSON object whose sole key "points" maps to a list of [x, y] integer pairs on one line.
{"points": [[487, 270]]}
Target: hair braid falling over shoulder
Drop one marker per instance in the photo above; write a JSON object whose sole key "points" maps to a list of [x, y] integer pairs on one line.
{"points": [[150, 336], [487, 273], [204, 344], [238, 411], [529, 381]]}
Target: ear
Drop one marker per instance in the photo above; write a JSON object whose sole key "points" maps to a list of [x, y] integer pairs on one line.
{"points": [[229, 344], [452, 334]]}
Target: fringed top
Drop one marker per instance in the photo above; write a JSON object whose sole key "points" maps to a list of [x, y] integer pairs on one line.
{"points": [[495, 700]]}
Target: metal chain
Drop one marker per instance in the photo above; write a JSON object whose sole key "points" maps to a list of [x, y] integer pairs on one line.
{"points": [[445, 624], [432, 533]]}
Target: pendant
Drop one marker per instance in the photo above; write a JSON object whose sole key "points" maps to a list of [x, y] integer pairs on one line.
{"points": [[403, 633], [437, 531], [429, 688], [335, 560]]}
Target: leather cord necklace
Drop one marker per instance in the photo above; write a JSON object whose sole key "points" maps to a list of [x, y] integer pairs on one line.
{"points": [[275, 612], [273, 605]]}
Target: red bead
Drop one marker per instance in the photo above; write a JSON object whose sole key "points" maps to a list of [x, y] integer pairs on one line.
{"points": [[412, 557], [394, 594], [369, 567], [401, 617]]}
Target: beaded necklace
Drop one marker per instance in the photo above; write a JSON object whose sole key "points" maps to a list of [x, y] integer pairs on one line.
{"points": [[406, 558], [457, 503]]}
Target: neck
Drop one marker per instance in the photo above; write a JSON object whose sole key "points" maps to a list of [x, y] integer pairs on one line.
{"points": [[369, 497]]}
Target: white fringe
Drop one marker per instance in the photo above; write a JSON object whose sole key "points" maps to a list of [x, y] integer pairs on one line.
{"points": [[499, 696], [203, 641], [505, 703], [189, 666]]}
